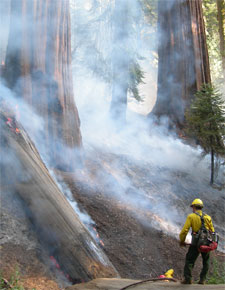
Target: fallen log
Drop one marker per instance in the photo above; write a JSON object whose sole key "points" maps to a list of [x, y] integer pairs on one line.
{"points": [[57, 225]]}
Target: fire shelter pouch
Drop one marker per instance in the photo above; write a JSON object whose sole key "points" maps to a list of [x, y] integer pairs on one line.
{"points": [[204, 238]]}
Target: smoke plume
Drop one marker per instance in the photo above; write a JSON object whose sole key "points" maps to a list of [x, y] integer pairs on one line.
{"points": [[146, 167]]}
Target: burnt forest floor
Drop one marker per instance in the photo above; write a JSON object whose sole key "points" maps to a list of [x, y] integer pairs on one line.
{"points": [[23, 261], [137, 251]]}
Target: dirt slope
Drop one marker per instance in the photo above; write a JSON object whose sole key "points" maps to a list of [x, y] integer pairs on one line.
{"points": [[137, 251]]}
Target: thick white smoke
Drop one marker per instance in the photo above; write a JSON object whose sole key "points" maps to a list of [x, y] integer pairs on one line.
{"points": [[148, 169], [175, 172], [34, 125], [26, 115]]}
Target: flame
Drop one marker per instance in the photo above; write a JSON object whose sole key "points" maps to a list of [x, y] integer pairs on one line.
{"points": [[99, 241], [54, 262], [11, 124]]}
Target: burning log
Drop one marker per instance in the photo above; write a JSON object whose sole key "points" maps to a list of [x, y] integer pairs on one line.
{"points": [[55, 221]]}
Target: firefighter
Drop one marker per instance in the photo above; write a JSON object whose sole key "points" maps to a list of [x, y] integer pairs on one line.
{"points": [[194, 221]]}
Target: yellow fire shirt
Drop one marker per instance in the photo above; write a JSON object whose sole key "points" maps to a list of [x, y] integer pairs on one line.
{"points": [[194, 221]]}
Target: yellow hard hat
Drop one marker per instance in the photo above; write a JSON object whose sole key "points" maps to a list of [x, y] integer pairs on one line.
{"points": [[197, 202]]}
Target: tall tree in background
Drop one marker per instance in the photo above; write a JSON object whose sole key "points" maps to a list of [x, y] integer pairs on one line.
{"points": [[126, 71], [214, 15], [38, 62], [107, 33], [183, 58], [221, 17]]}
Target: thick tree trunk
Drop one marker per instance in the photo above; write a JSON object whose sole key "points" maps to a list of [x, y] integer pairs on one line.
{"points": [[57, 225], [38, 67], [220, 7], [183, 57]]}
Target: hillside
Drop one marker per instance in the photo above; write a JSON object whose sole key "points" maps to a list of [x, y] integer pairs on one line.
{"points": [[133, 209], [139, 225]]}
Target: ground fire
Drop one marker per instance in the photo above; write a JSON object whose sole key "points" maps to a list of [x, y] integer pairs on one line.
{"points": [[11, 123], [57, 225], [96, 166]]}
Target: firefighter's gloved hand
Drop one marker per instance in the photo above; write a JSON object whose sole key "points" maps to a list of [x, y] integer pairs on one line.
{"points": [[182, 244]]}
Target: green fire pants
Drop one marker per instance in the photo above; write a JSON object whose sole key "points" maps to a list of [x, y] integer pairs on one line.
{"points": [[191, 257]]}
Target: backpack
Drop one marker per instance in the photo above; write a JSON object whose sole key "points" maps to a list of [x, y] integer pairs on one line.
{"points": [[204, 240]]}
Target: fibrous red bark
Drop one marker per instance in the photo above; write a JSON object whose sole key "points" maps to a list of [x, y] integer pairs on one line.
{"points": [[38, 67], [183, 57]]}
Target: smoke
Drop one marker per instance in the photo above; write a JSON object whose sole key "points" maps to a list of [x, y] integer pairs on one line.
{"points": [[114, 37], [31, 115], [143, 166], [34, 124], [146, 168]]}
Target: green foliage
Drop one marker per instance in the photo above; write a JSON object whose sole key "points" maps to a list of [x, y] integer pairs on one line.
{"points": [[213, 40], [216, 277], [136, 78], [206, 120], [150, 10], [107, 35], [206, 123], [14, 282]]}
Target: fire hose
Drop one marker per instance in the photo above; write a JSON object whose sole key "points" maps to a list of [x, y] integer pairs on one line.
{"points": [[149, 280]]}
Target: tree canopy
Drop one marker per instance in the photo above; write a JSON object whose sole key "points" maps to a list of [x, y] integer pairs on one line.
{"points": [[206, 122], [216, 56]]}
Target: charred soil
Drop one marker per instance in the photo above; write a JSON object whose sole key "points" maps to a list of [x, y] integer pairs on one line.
{"points": [[136, 250]]}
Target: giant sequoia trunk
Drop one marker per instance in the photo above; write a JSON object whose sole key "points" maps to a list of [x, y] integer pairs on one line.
{"points": [[183, 57], [38, 67], [57, 225]]}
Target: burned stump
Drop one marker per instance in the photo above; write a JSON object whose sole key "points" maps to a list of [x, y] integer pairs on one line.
{"points": [[57, 225]]}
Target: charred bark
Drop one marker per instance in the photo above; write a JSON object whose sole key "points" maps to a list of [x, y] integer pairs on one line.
{"points": [[38, 69], [183, 57], [58, 227]]}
